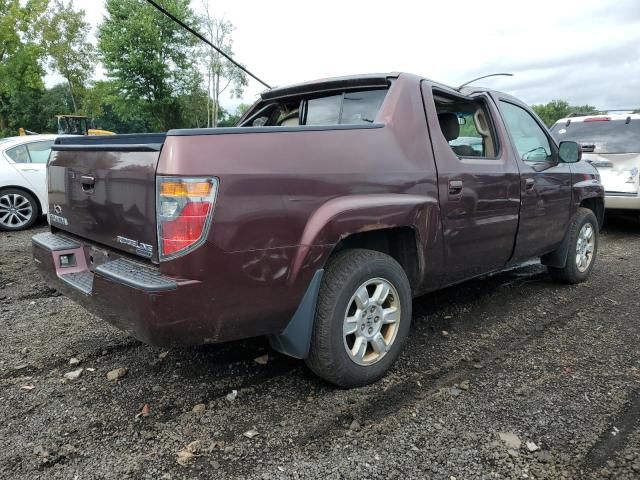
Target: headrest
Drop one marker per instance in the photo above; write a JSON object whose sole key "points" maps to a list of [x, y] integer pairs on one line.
{"points": [[449, 125]]}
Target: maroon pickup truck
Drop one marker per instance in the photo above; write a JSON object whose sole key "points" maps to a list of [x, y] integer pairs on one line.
{"points": [[317, 219]]}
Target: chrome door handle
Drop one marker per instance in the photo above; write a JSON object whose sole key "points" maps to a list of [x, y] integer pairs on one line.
{"points": [[455, 189], [88, 180]]}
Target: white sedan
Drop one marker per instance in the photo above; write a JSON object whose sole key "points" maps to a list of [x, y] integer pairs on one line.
{"points": [[23, 180]]}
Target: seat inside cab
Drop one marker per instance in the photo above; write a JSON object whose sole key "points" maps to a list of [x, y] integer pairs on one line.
{"points": [[465, 126]]}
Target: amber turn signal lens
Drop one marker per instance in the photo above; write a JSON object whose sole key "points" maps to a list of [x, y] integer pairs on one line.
{"points": [[185, 189]]}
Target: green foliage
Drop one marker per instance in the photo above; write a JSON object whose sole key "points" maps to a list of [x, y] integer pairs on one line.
{"points": [[70, 53], [231, 120], [553, 111], [149, 59], [221, 74], [21, 53]]}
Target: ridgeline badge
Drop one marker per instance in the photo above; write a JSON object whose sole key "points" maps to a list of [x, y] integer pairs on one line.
{"points": [[142, 249]]}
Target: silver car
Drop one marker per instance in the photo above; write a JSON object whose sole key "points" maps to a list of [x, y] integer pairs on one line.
{"points": [[611, 143]]}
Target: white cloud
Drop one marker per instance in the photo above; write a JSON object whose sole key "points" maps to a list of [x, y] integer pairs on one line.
{"points": [[583, 51]]}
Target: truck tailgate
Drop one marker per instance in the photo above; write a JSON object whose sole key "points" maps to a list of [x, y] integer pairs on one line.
{"points": [[103, 189]]}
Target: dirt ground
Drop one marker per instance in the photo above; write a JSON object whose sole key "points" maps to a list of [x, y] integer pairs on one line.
{"points": [[508, 376]]}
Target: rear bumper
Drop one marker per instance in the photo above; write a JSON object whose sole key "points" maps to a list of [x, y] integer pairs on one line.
{"points": [[132, 296], [622, 202]]}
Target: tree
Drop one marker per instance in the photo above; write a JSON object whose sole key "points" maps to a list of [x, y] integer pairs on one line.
{"points": [[231, 120], [149, 58], [553, 111], [21, 54], [221, 73], [70, 53]]}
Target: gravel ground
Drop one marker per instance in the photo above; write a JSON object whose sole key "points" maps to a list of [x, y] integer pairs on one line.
{"points": [[508, 376]]}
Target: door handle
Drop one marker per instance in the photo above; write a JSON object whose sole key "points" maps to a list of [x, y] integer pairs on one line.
{"points": [[88, 180], [455, 189], [529, 183], [28, 169]]}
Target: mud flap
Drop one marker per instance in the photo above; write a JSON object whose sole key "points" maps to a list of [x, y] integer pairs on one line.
{"points": [[557, 258], [295, 340]]}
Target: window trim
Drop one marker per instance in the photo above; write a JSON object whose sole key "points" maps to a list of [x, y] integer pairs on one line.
{"points": [[480, 98], [552, 143]]}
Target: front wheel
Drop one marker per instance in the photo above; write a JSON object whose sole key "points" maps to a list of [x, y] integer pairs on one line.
{"points": [[362, 318], [583, 248]]}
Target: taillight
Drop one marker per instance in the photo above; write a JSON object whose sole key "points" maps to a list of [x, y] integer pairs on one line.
{"points": [[184, 207]]}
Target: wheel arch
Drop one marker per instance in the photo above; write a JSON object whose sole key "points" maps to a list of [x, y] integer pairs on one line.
{"points": [[596, 205], [401, 225]]}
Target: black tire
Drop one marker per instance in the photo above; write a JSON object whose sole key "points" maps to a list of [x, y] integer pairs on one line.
{"points": [[345, 273], [571, 273], [33, 205]]}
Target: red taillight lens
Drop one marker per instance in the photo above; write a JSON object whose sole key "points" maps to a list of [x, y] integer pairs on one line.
{"points": [[184, 207]]}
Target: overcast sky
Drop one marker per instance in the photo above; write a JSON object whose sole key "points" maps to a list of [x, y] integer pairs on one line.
{"points": [[582, 51]]}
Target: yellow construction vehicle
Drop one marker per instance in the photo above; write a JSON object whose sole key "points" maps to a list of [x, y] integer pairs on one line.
{"points": [[78, 125], [72, 125]]}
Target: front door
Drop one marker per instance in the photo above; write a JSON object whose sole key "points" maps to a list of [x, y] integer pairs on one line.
{"points": [[545, 183]]}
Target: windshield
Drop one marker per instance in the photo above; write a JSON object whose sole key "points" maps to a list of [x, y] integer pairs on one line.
{"points": [[613, 136]]}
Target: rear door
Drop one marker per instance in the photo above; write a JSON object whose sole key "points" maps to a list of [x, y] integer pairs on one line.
{"points": [[479, 191], [103, 189], [30, 159], [545, 182]]}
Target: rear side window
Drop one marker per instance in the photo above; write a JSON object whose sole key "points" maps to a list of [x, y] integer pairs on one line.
{"points": [[324, 110], [19, 154], [349, 108], [608, 136], [35, 152], [361, 107], [342, 108], [39, 151], [466, 126]]}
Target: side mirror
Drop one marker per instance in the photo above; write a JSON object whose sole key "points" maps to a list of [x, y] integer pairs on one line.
{"points": [[570, 152]]}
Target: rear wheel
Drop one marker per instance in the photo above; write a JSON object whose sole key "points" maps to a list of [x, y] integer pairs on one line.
{"points": [[362, 318], [18, 209], [583, 248]]}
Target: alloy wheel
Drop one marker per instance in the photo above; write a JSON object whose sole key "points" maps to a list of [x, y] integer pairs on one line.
{"points": [[371, 321]]}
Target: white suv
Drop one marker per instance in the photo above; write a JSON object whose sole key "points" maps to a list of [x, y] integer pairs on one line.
{"points": [[23, 180], [611, 143]]}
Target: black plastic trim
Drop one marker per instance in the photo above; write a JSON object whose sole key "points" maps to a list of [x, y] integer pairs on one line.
{"points": [[114, 147], [53, 242], [274, 129], [82, 281], [122, 139], [295, 340], [135, 275], [358, 81]]}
